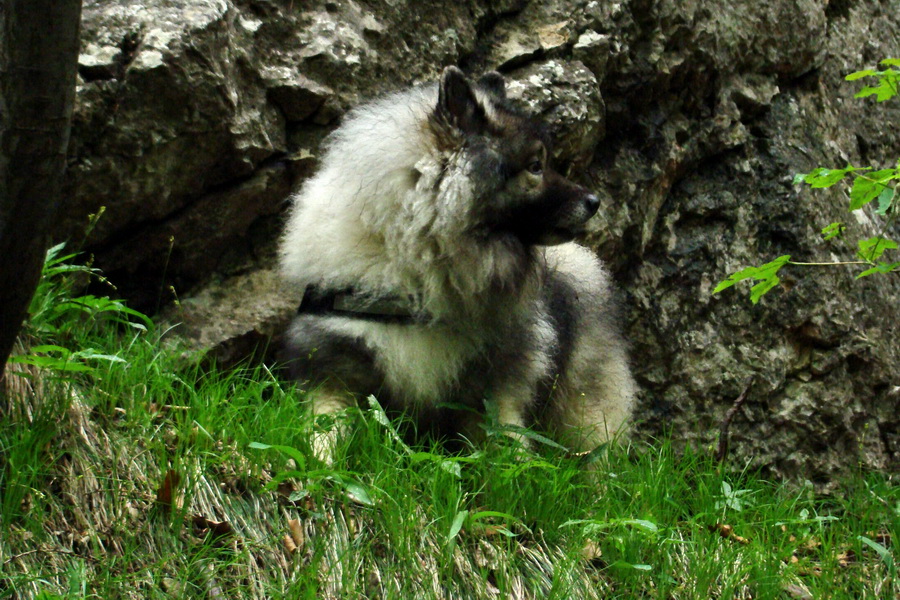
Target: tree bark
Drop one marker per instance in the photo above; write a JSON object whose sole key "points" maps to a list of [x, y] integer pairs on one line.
{"points": [[38, 62]]}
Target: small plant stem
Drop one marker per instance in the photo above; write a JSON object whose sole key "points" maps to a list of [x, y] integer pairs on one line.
{"points": [[722, 450], [828, 264]]}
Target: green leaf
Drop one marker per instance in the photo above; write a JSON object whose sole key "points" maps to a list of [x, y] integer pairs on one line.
{"points": [[763, 287], [378, 412], [418, 457], [94, 355], [885, 200], [51, 362], [834, 230], [484, 514], [866, 188], [860, 74], [592, 526], [448, 465], [53, 251], [879, 268], [382, 418], [883, 91], [890, 62], [136, 314], [299, 459], [519, 467], [451, 467], [358, 493], [595, 454], [45, 348], [621, 564], [764, 272], [643, 524], [572, 522], [57, 269], [883, 552], [298, 495], [872, 248], [541, 439], [824, 178], [732, 279], [457, 524], [506, 532], [284, 476]]}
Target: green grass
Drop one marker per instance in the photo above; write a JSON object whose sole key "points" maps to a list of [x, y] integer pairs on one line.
{"points": [[85, 452]]}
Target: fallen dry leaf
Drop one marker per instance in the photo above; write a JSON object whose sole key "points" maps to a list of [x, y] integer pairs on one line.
{"points": [[846, 558], [165, 495], [727, 532], [492, 530], [285, 488], [215, 531], [297, 535]]}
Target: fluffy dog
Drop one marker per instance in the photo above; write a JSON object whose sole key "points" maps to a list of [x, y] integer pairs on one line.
{"points": [[435, 247]]}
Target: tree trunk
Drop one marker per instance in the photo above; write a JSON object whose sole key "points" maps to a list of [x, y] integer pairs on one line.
{"points": [[38, 62]]}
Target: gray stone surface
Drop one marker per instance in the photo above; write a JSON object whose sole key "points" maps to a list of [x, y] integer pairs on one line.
{"points": [[195, 117]]}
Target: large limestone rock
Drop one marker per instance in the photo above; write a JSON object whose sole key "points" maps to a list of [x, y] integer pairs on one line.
{"points": [[195, 118]]}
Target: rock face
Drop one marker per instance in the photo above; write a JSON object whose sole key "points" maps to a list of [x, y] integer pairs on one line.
{"points": [[196, 117]]}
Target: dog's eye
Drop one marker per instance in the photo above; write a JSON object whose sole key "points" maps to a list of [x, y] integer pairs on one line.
{"points": [[535, 168]]}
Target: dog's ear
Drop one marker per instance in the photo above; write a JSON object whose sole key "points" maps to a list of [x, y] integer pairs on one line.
{"points": [[457, 104], [494, 84]]}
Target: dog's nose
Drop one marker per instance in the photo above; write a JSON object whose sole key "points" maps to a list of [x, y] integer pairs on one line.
{"points": [[591, 204]]}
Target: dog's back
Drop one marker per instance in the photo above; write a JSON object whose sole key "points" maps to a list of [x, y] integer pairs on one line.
{"points": [[363, 181]]}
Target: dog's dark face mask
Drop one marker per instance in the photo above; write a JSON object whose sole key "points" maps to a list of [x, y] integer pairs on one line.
{"points": [[517, 192]]}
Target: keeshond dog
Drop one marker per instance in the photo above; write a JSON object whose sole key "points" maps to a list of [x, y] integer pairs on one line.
{"points": [[434, 246]]}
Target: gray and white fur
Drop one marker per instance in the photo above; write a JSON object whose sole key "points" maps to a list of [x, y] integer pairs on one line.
{"points": [[442, 196]]}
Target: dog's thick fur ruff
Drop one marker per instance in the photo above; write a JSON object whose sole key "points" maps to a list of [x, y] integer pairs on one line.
{"points": [[442, 194]]}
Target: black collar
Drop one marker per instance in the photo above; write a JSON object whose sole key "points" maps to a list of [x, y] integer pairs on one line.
{"points": [[349, 303]]}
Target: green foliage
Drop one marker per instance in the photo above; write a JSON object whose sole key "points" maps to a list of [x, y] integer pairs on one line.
{"points": [[883, 552], [823, 178], [880, 268], [867, 186], [766, 275], [58, 314], [733, 499], [871, 249], [832, 231], [888, 84]]}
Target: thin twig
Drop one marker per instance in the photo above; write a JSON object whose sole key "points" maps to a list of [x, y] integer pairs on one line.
{"points": [[829, 264], [722, 451]]}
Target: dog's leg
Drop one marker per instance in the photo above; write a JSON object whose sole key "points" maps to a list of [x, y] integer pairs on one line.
{"points": [[513, 402], [510, 412], [593, 409], [328, 402], [515, 394]]}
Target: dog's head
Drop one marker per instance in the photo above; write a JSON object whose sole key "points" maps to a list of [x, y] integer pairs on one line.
{"points": [[506, 159]]}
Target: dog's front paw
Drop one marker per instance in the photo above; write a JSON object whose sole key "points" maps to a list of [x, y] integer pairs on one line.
{"points": [[323, 444]]}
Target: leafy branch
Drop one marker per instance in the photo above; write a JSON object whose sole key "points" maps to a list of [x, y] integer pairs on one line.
{"points": [[867, 186]]}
